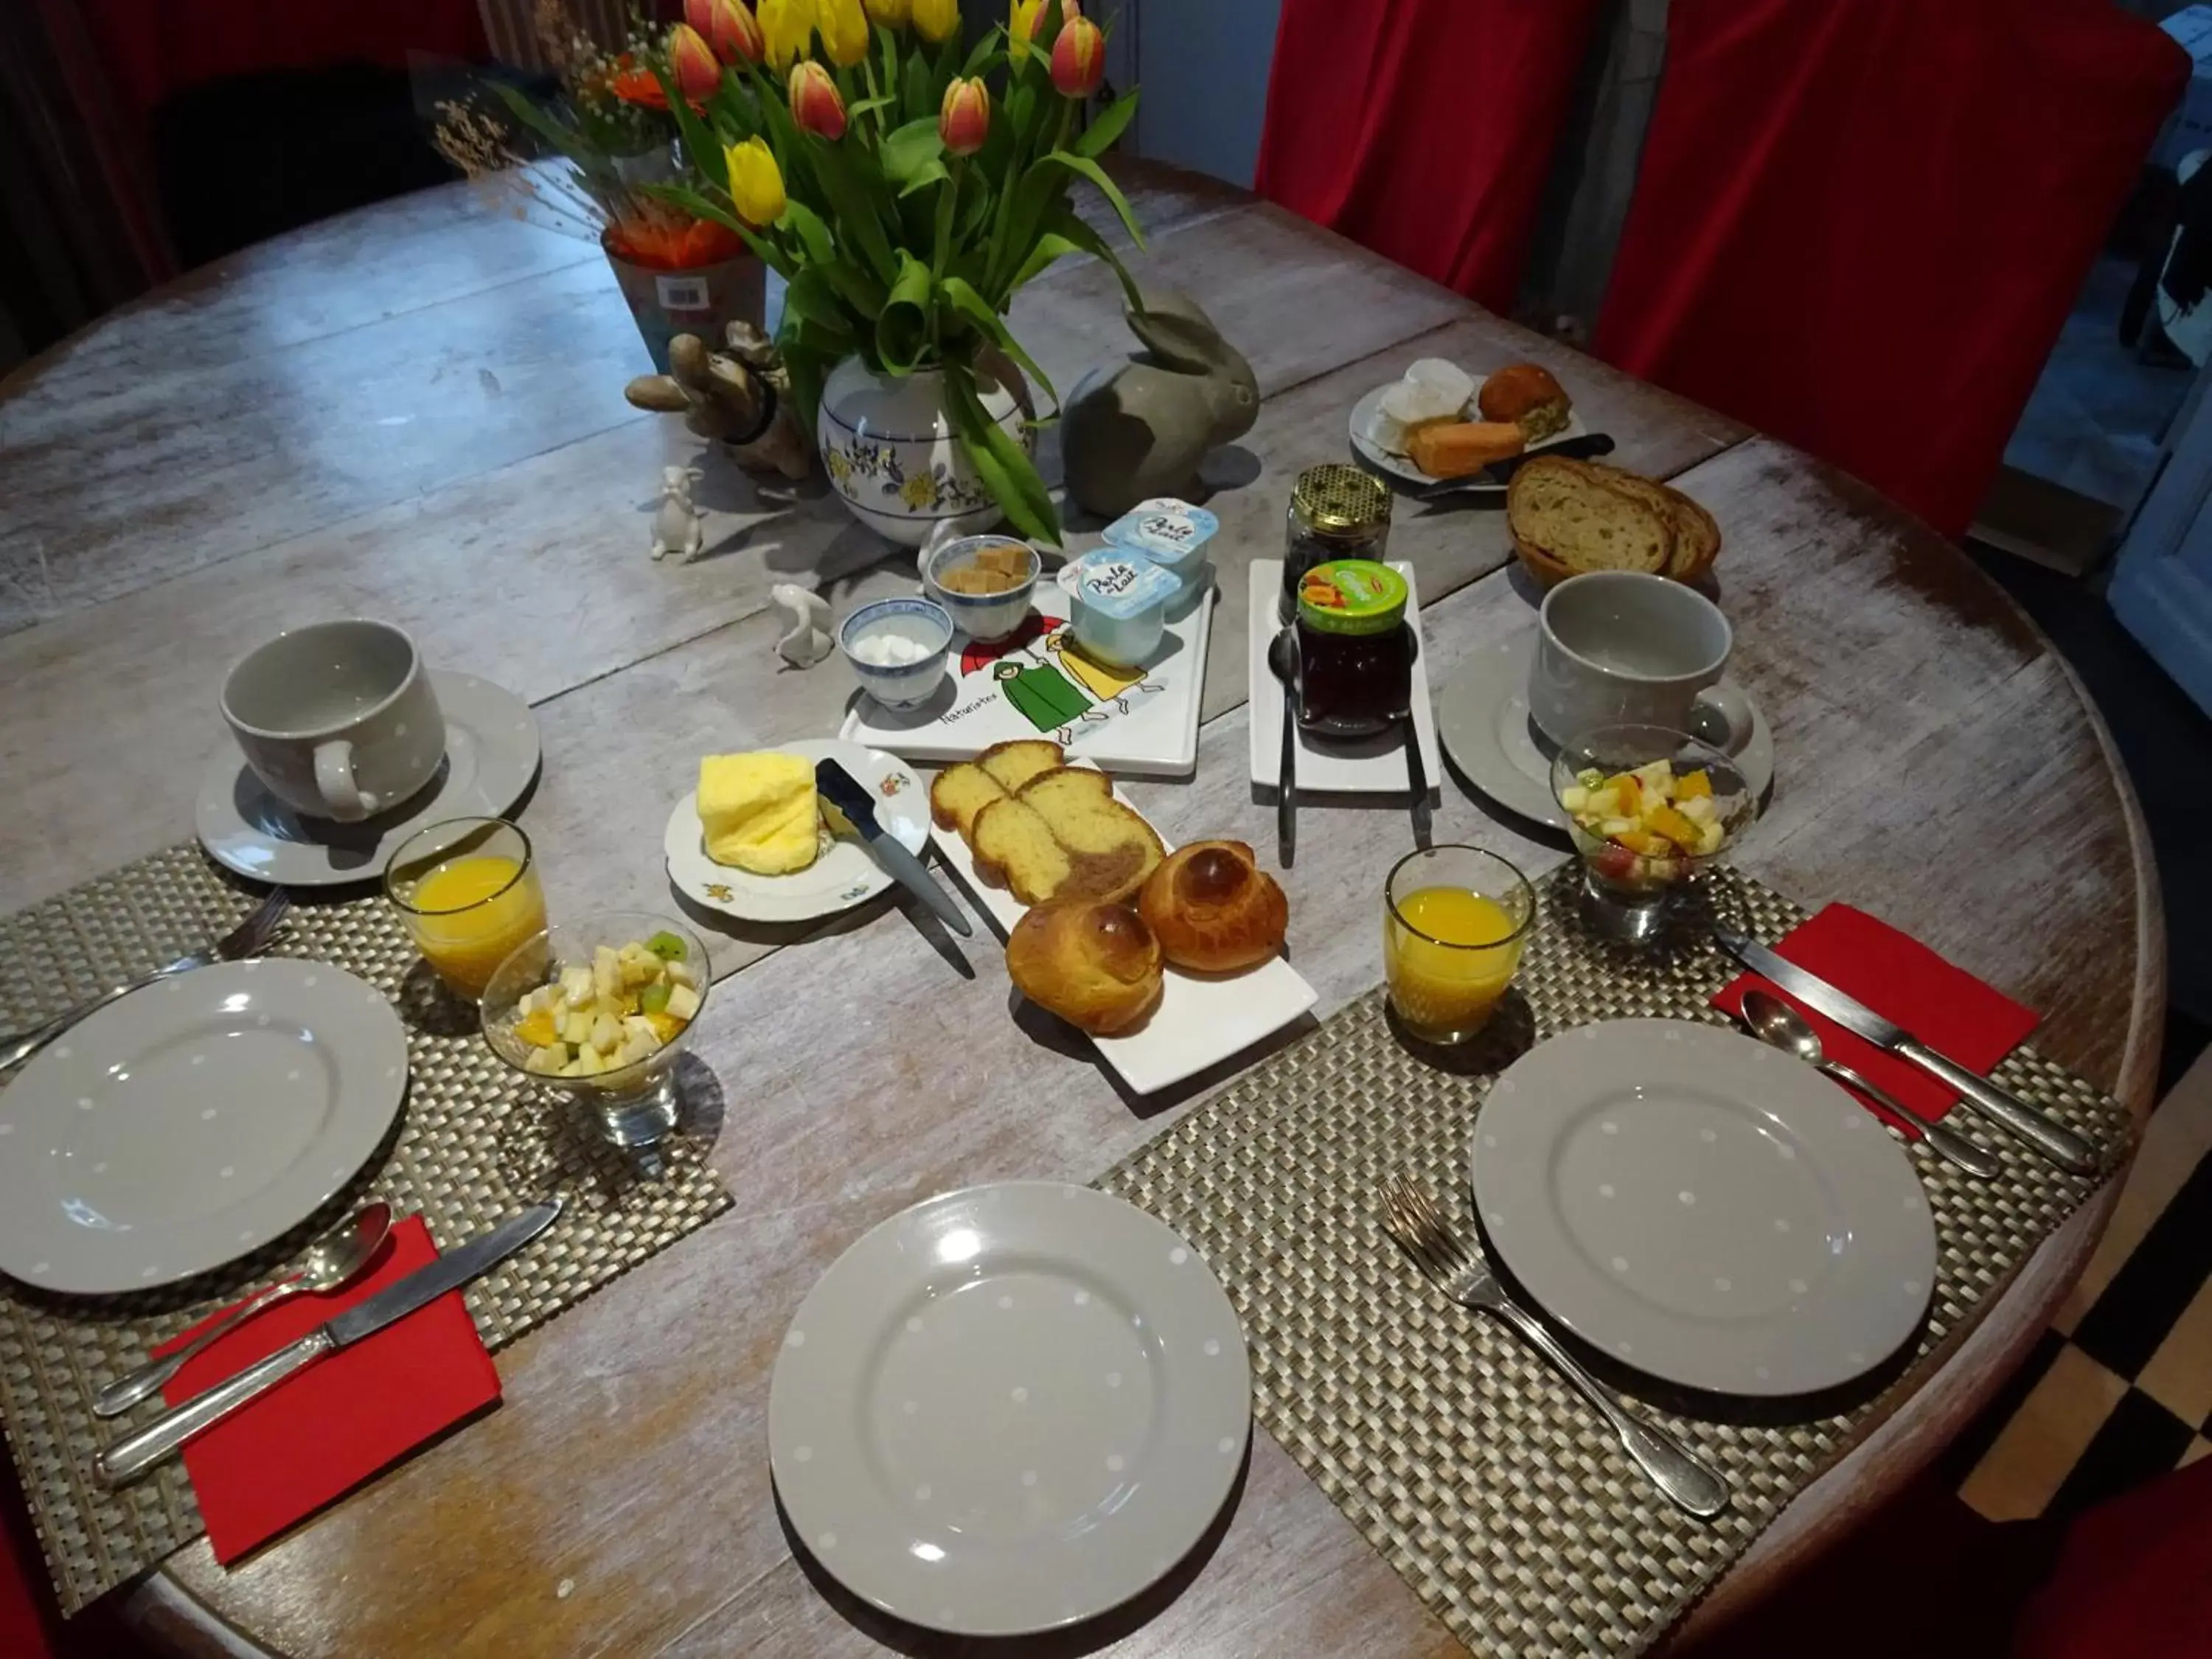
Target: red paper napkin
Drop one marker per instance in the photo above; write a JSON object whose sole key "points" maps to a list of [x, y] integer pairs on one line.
{"points": [[324, 1430], [1901, 979]]}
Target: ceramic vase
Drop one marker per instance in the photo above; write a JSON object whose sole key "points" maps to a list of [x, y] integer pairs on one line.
{"points": [[888, 443]]}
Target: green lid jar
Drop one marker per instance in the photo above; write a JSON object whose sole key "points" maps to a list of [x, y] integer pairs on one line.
{"points": [[1352, 595], [1355, 651]]}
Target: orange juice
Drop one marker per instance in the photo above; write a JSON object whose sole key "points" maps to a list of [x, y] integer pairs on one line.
{"points": [[469, 914], [1449, 955]]}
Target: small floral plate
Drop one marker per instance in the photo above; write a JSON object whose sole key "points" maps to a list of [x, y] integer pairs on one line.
{"points": [[844, 874]]}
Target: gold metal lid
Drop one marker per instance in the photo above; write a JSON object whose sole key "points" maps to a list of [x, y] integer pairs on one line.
{"points": [[1339, 499]]}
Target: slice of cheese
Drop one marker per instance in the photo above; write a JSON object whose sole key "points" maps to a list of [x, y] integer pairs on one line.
{"points": [[759, 813]]}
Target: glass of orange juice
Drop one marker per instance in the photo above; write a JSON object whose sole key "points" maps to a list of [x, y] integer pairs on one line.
{"points": [[467, 892], [1455, 920]]}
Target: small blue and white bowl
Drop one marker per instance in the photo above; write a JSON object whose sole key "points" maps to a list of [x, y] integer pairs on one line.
{"points": [[982, 616], [924, 627]]}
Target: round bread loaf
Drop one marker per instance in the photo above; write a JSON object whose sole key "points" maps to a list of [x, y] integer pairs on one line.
{"points": [[1094, 962], [1525, 393], [1213, 909]]}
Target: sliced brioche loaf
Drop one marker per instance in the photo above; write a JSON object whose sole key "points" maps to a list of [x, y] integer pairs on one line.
{"points": [[1015, 848], [1064, 836], [1014, 765], [1564, 512], [959, 793]]}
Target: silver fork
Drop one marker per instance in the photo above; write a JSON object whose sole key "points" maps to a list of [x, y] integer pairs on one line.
{"points": [[1410, 1217], [250, 938]]}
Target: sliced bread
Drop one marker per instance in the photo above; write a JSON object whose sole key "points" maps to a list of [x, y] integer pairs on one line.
{"points": [[1014, 765], [1015, 848], [1064, 836], [1697, 537], [1565, 513], [959, 793]]}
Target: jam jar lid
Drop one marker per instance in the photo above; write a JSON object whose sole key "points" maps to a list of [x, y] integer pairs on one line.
{"points": [[1167, 531], [1352, 595], [1120, 585], [1340, 499]]}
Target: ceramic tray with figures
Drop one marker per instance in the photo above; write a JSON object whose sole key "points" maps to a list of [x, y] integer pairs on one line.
{"points": [[1033, 684]]}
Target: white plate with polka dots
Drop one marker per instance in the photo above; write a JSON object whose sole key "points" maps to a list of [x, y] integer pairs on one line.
{"points": [[1009, 1409], [192, 1122], [1702, 1207]]}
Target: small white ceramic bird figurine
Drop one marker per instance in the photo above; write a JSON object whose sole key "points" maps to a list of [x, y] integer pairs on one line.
{"points": [[676, 524], [806, 639]]}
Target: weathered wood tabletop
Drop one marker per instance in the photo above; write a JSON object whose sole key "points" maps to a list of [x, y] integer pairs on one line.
{"points": [[414, 412]]}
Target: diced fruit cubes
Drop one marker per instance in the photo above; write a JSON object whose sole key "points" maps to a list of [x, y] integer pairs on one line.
{"points": [[621, 1008], [1653, 820]]}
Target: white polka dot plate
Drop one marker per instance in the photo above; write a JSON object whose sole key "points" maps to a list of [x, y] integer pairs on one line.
{"points": [[192, 1122], [1702, 1207], [1009, 1409], [844, 874], [492, 754]]}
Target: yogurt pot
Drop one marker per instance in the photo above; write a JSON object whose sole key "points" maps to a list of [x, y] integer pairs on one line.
{"points": [[1173, 535], [1120, 608]]}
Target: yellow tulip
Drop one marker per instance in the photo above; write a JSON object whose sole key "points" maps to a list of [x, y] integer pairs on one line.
{"points": [[1023, 19], [844, 29], [891, 14], [937, 19], [755, 182], [787, 27]]}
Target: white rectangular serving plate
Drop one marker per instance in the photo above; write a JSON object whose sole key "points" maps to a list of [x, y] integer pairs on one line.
{"points": [[1201, 1019], [1374, 766], [1156, 738]]}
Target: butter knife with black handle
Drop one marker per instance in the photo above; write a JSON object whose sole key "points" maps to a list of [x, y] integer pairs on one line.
{"points": [[851, 798]]}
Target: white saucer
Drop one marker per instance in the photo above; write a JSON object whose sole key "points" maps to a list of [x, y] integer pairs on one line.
{"points": [[1402, 469], [1009, 1409], [492, 754], [845, 875], [1482, 714], [192, 1122]]}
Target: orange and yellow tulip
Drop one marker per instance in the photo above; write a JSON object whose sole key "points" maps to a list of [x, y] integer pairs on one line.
{"points": [[755, 182], [1079, 58], [692, 62], [937, 21], [815, 102], [730, 28], [1023, 19], [964, 122]]}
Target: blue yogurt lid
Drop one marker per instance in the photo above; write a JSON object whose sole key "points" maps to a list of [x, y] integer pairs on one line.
{"points": [[1118, 586], [1167, 531]]}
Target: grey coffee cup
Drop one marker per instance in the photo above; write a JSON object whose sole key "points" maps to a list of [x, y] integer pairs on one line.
{"points": [[1617, 647], [337, 718]]}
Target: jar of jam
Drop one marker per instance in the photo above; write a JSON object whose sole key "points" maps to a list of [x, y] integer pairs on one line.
{"points": [[1337, 512], [1355, 651]]}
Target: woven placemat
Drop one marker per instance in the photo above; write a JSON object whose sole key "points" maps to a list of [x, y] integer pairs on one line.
{"points": [[1490, 1487], [474, 1145]]}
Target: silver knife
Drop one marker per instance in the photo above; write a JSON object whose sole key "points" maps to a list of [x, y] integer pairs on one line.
{"points": [[132, 1456], [849, 796], [2060, 1145]]}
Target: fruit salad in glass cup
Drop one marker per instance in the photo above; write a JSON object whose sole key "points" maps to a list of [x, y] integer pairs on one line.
{"points": [[599, 1009], [1649, 808]]}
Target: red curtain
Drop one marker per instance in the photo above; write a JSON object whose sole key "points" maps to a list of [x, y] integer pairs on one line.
{"points": [[1423, 128], [1860, 224]]}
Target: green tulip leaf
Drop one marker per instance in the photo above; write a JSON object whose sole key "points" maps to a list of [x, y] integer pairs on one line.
{"points": [[972, 306], [1069, 223], [1084, 167], [812, 301], [921, 99], [909, 150], [1099, 137], [856, 215], [903, 330]]}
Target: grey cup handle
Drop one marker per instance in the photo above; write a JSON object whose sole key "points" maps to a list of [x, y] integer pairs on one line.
{"points": [[2060, 1145], [1673, 1469], [132, 1456], [1725, 708]]}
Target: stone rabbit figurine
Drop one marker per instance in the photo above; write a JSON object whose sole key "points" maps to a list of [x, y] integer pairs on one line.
{"points": [[1139, 428], [676, 525]]}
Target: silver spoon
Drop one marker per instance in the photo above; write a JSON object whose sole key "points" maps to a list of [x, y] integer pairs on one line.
{"points": [[1774, 1021], [332, 1260]]}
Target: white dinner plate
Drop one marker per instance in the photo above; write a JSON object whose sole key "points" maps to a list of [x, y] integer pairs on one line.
{"points": [[1704, 1207], [1200, 1020], [1482, 714], [1009, 1409], [492, 754], [844, 875], [193, 1122], [1325, 766], [1402, 469]]}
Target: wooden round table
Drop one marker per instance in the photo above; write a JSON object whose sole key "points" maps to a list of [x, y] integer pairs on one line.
{"points": [[414, 412]]}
